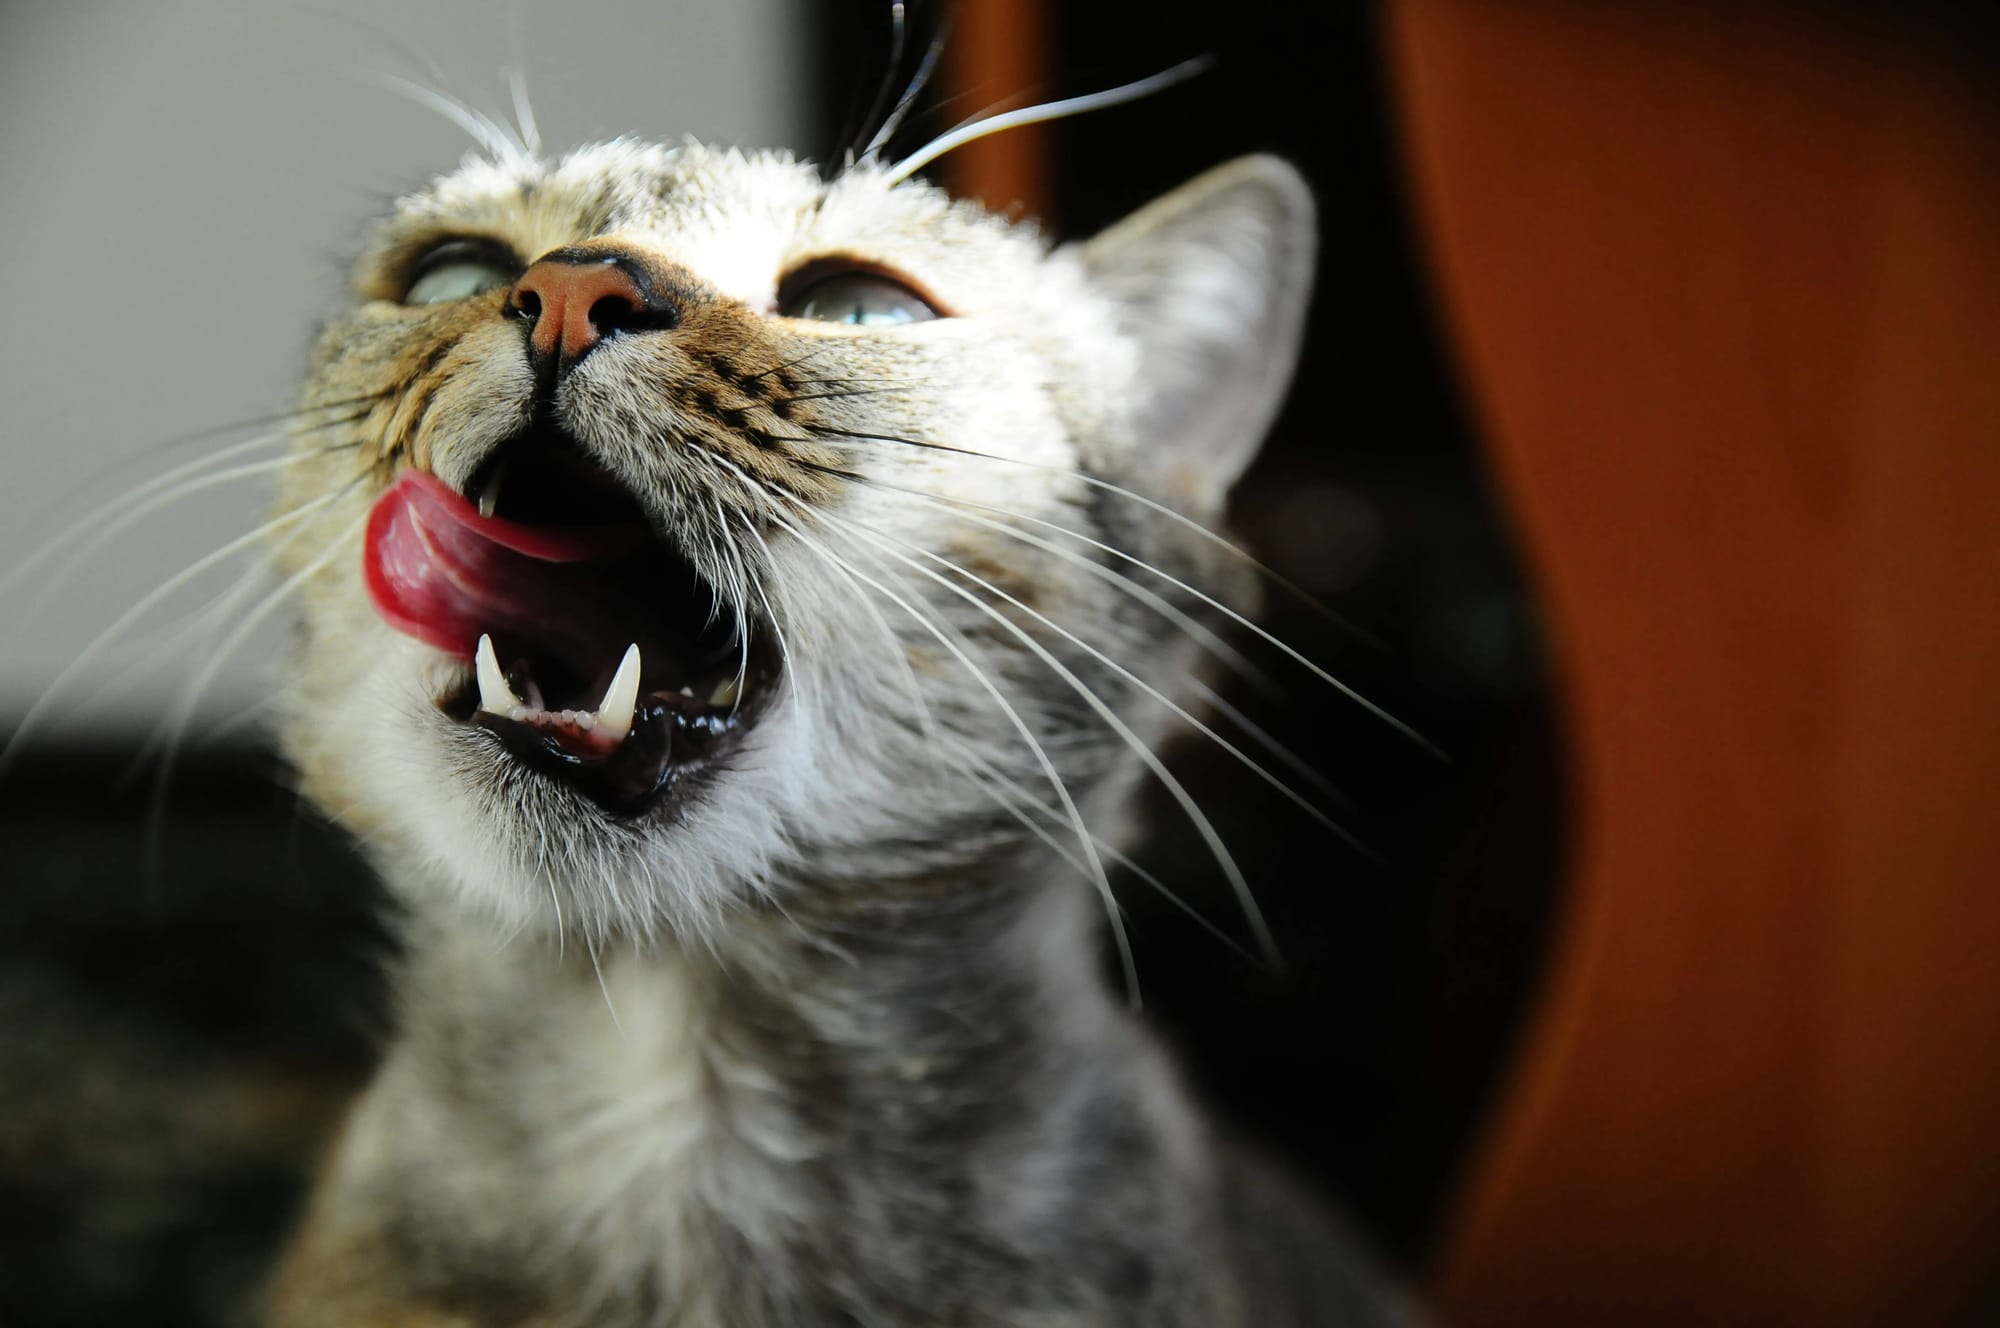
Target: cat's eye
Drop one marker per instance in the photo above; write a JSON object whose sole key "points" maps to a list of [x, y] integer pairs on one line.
{"points": [[459, 270], [855, 296]]}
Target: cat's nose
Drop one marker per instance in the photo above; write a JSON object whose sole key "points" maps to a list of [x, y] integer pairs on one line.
{"points": [[574, 299]]}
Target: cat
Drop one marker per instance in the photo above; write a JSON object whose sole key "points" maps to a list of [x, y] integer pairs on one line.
{"points": [[737, 604]]}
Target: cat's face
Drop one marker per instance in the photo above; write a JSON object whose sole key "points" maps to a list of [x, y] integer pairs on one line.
{"points": [[837, 459]]}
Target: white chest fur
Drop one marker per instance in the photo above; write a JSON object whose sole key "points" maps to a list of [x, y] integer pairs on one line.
{"points": [[604, 1137]]}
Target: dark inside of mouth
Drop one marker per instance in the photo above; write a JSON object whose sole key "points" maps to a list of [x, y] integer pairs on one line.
{"points": [[698, 681], [546, 478]]}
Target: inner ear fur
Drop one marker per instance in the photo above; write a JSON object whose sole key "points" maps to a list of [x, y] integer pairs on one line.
{"points": [[1211, 282]]}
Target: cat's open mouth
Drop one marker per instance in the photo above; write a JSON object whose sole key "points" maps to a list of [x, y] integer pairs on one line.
{"points": [[600, 656]]}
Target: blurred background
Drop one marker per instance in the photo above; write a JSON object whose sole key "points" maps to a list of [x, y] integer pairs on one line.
{"points": [[1663, 997]]}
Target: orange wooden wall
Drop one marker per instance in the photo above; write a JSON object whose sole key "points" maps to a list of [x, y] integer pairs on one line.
{"points": [[996, 57], [1725, 282]]}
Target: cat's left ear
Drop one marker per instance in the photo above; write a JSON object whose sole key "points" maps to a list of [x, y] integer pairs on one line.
{"points": [[1212, 282]]}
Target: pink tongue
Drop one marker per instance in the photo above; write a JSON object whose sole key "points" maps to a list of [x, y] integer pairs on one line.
{"points": [[439, 571]]}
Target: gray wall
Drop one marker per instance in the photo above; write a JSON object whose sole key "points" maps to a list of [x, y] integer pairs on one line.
{"points": [[179, 186]]}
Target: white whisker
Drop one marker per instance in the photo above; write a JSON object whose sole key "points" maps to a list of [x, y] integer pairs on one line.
{"points": [[1298, 764], [792, 681], [888, 634], [170, 642], [603, 986], [894, 120], [478, 126], [1263, 569], [898, 34], [31, 721], [1099, 878], [524, 113], [555, 901], [173, 728], [89, 523], [1345, 689], [1179, 711], [1196, 817], [987, 773], [1173, 613], [1054, 110], [292, 427], [111, 530], [740, 595]]}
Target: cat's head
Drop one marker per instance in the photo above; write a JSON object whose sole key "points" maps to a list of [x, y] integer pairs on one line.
{"points": [[871, 479]]}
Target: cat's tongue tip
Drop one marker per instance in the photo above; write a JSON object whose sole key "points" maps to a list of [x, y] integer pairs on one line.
{"points": [[439, 571]]}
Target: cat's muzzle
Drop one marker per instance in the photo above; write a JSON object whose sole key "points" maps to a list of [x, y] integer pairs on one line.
{"points": [[598, 655]]}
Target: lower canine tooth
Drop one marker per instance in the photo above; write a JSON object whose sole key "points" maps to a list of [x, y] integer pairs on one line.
{"points": [[726, 692], [621, 698], [494, 693]]}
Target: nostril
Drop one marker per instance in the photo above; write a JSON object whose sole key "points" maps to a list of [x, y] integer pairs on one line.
{"points": [[612, 313], [615, 313], [528, 304]]}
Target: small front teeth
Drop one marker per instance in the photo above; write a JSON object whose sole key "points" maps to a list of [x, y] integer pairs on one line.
{"points": [[621, 698], [609, 723], [494, 693]]}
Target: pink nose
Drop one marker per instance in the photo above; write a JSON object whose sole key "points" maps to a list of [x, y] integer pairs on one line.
{"points": [[577, 302]]}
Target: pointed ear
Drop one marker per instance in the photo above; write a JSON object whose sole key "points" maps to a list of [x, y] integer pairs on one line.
{"points": [[1211, 282]]}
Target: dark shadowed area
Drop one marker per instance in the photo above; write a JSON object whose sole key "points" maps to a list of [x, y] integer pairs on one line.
{"points": [[183, 1016], [1410, 958]]}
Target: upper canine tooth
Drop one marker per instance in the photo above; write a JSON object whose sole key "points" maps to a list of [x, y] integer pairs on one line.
{"points": [[726, 691], [621, 698], [489, 494], [494, 693]]}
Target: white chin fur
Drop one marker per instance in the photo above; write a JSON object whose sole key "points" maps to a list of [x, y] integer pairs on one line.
{"points": [[539, 857], [466, 824]]}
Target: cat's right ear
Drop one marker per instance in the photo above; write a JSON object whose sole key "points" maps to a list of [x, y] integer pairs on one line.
{"points": [[1211, 283]]}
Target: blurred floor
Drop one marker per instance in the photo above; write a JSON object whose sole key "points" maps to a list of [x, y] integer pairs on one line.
{"points": [[180, 1025]]}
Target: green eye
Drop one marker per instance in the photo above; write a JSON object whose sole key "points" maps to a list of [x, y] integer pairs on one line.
{"points": [[459, 270], [860, 299]]}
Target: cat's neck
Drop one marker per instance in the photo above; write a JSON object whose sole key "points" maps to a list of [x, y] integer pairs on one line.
{"points": [[946, 970], [934, 1063]]}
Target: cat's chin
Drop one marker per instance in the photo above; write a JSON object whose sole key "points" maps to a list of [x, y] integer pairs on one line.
{"points": [[463, 821]]}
